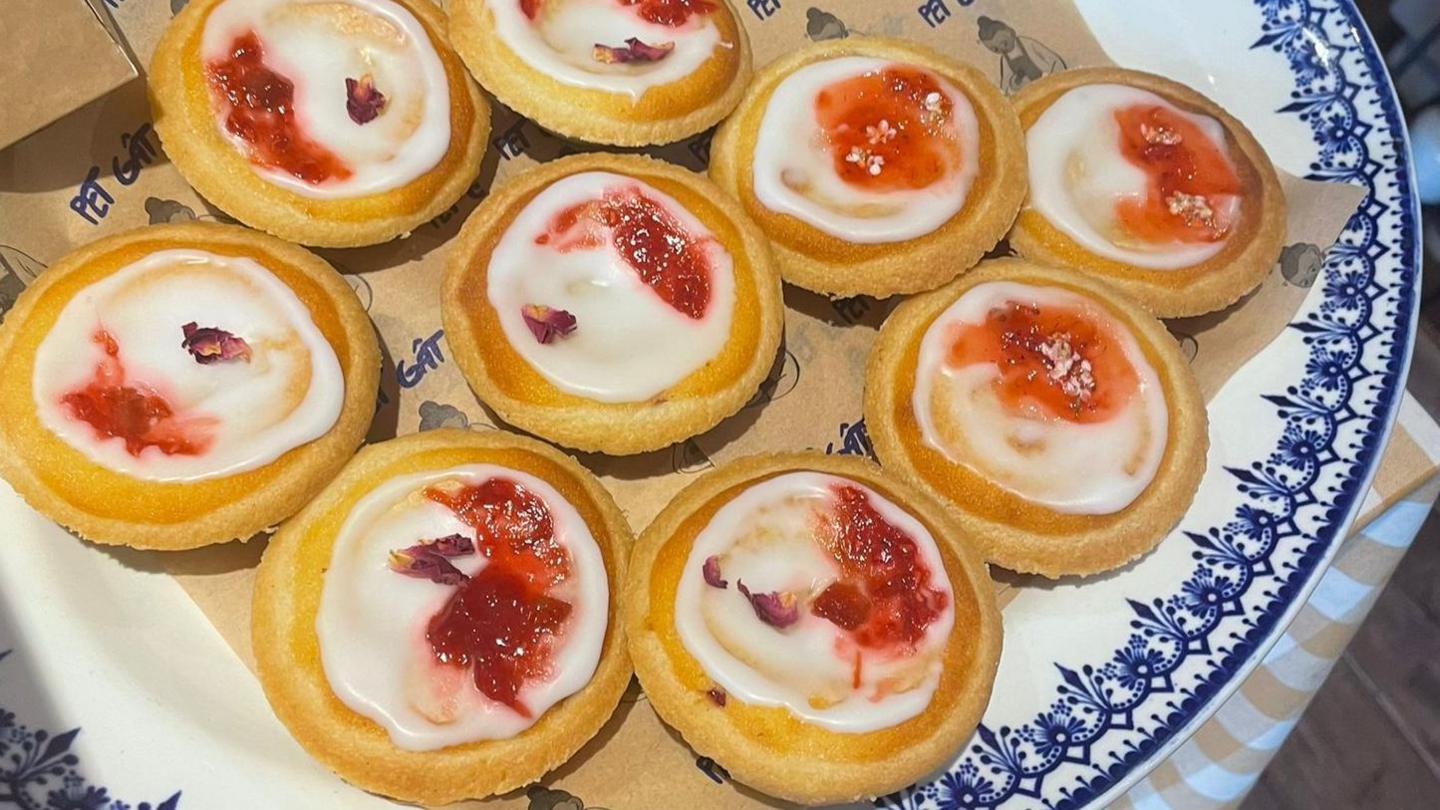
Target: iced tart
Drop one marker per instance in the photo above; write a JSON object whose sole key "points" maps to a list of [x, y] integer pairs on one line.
{"points": [[875, 166], [622, 72], [1148, 185], [339, 124], [819, 628], [180, 385], [438, 624], [1054, 416], [611, 303]]}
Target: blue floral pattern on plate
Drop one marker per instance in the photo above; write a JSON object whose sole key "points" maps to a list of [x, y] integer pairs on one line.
{"points": [[1110, 718]]}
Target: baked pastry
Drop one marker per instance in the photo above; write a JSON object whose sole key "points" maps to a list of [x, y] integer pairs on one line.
{"points": [[1146, 184], [437, 624], [820, 629], [337, 124], [875, 166], [180, 385], [1055, 417], [612, 303], [622, 72]]}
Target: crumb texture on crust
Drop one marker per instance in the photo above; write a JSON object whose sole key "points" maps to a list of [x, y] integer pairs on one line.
{"points": [[661, 114], [1011, 531], [769, 748], [517, 391], [824, 263], [110, 507], [190, 131], [1250, 251], [286, 601]]}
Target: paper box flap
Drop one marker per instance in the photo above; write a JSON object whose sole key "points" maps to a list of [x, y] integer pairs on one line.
{"points": [[59, 56]]}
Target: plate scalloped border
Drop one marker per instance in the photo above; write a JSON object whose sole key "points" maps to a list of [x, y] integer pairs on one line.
{"points": [[1305, 492]]}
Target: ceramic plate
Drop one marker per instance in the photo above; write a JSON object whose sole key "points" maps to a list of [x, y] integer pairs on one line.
{"points": [[1100, 679]]}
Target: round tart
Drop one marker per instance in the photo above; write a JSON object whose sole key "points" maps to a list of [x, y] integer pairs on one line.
{"points": [[875, 166], [1149, 185], [623, 72], [180, 385], [612, 303], [818, 628], [1055, 417], [436, 625], [338, 124]]}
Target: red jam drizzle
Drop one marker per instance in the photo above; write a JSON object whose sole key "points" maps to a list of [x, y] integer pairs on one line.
{"points": [[1187, 175], [503, 620], [140, 416], [888, 130], [670, 13], [1056, 360], [262, 113], [884, 597], [651, 240]]}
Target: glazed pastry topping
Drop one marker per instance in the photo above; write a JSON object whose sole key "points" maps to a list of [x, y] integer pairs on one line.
{"points": [[1043, 392], [126, 377], [460, 605], [616, 46], [328, 100], [652, 286], [1132, 177], [866, 150], [814, 593]]}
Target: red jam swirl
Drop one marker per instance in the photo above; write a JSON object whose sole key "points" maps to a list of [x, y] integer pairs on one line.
{"points": [[889, 130], [884, 597], [1188, 177], [670, 13], [1055, 360], [262, 113], [668, 258], [503, 621], [134, 413]]}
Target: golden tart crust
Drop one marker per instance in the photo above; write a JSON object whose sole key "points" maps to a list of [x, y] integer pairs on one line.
{"points": [[663, 114], [286, 600], [180, 98], [110, 507], [1011, 531], [823, 263], [769, 748], [504, 381], [1213, 284]]}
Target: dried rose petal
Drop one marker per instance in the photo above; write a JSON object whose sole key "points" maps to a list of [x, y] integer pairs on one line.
{"points": [[632, 51], [362, 100], [451, 545], [422, 563], [210, 345], [775, 609], [547, 323], [711, 572], [717, 696], [427, 559]]}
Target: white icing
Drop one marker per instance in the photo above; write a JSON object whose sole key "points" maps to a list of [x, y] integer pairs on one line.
{"points": [[1078, 175], [790, 144], [561, 40], [629, 344], [289, 393], [766, 538], [317, 45], [371, 622], [1094, 469]]}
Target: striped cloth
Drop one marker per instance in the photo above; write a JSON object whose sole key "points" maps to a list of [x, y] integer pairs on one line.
{"points": [[1218, 765]]}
